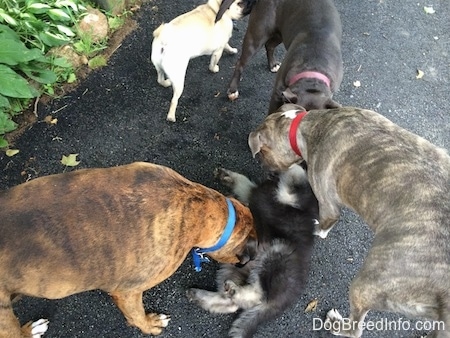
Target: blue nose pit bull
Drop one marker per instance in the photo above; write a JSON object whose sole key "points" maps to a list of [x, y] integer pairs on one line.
{"points": [[398, 182], [312, 67]]}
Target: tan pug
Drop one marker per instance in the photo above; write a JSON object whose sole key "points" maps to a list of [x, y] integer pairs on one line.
{"points": [[122, 230], [398, 182], [190, 35]]}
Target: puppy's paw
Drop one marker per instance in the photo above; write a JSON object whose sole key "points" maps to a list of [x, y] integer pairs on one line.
{"points": [[233, 96], [35, 329], [229, 288], [226, 177], [334, 321], [275, 67], [232, 50]]}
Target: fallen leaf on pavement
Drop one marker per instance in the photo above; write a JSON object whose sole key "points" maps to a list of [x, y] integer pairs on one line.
{"points": [[11, 152], [312, 305], [429, 9], [70, 161]]}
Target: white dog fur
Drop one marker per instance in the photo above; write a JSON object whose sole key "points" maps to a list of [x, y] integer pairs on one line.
{"points": [[190, 35]]}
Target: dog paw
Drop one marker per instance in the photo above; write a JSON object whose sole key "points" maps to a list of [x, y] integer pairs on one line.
{"points": [[233, 96], [232, 51], [275, 67], [229, 288], [334, 321], [165, 83], [214, 69], [36, 329], [320, 232], [225, 177], [171, 118], [165, 319]]}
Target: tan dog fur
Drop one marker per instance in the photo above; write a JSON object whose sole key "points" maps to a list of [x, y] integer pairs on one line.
{"points": [[122, 230], [190, 35], [398, 182]]}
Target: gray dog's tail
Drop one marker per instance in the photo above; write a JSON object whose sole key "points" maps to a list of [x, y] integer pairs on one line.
{"points": [[246, 325], [227, 3]]}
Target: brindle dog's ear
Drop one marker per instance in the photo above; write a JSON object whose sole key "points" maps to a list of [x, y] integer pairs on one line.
{"points": [[330, 104], [223, 8], [254, 142], [289, 96], [248, 254]]}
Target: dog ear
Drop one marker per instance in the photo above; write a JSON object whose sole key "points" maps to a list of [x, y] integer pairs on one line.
{"points": [[254, 142], [289, 96], [330, 104]]}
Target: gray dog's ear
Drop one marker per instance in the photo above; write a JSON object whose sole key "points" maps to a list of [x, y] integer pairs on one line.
{"points": [[330, 104], [289, 96], [254, 142], [224, 6]]}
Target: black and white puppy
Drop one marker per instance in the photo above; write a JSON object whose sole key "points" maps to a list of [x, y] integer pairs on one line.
{"points": [[285, 212]]}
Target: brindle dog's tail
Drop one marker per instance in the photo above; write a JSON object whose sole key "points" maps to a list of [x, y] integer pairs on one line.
{"points": [[227, 3], [247, 323]]}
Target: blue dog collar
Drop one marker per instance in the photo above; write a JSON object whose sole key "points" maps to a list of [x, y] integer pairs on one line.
{"points": [[198, 254]]}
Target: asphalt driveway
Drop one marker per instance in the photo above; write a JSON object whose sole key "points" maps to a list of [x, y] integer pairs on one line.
{"points": [[117, 116]]}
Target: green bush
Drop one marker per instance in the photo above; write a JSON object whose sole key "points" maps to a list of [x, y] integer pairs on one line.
{"points": [[28, 29]]}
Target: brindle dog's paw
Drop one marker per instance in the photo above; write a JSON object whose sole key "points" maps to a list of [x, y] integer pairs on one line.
{"points": [[35, 329]]}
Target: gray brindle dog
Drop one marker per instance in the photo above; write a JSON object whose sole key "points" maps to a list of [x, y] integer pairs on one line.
{"points": [[312, 67], [398, 182]]}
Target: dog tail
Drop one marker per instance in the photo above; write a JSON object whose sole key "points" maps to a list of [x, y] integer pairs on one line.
{"points": [[247, 323]]}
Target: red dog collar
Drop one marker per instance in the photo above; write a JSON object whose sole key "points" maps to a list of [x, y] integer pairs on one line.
{"points": [[311, 75], [293, 132]]}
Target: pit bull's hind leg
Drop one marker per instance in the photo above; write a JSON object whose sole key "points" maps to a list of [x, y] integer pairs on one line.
{"points": [[130, 303]]}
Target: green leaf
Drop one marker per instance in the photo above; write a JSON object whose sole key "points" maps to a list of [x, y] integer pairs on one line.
{"points": [[70, 161], [4, 102], [61, 62], [72, 78], [67, 3], [14, 85], [8, 33], [65, 30], [58, 15], [15, 52], [6, 124], [38, 8], [53, 40], [3, 142], [7, 18], [39, 74]]}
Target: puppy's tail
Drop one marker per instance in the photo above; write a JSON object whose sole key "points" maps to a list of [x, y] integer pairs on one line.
{"points": [[247, 323]]}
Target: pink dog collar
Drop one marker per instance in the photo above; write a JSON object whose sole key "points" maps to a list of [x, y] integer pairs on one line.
{"points": [[310, 75], [293, 132]]}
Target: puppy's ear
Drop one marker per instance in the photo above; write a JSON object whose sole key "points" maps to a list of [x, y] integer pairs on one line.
{"points": [[330, 104], [289, 96], [254, 142]]}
